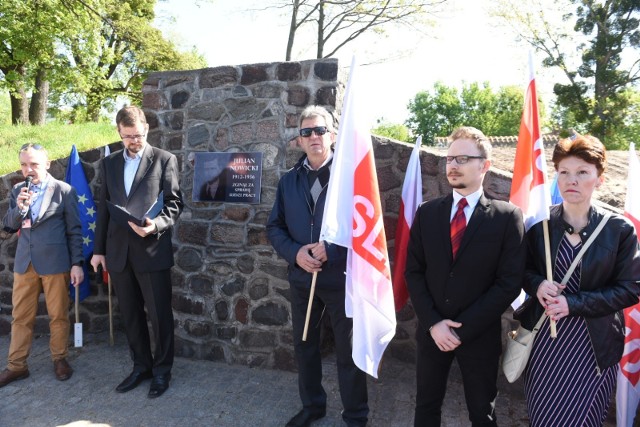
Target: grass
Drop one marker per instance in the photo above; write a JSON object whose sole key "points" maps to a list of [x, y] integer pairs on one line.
{"points": [[56, 137]]}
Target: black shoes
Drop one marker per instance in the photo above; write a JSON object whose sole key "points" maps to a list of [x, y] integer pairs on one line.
{"points": [[304, 418], [159, 385], [132, 381]]}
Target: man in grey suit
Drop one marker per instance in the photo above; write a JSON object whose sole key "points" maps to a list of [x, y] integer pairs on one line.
{"points": [[139, 257], [48, 257]]}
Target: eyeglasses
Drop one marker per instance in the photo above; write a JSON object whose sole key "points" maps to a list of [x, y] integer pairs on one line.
{"points": [[133, 137], [461, 160], [318, 130], [30, 145]]}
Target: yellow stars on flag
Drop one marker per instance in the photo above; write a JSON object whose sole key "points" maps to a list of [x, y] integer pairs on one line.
{"points": [[91, 211], [86, 240], [92, 226]]}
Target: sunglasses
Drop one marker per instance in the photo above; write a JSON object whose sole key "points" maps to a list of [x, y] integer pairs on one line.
{"points": [[318, 130], [30, 145]]}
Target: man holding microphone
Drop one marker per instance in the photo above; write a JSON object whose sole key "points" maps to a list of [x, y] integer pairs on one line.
{"points": [[48, 257]]}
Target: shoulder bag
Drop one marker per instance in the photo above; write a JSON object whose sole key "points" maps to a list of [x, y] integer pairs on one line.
{"points": [[520, 342]]}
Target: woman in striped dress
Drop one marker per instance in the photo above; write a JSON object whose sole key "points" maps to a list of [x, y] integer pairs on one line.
{"points": [[570, 379]]}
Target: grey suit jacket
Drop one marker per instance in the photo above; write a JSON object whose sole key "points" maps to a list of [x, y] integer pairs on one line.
{"points": [[158, 172], [54, 241]]}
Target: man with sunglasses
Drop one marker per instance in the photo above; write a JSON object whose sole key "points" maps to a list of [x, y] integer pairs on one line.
{"points": [[139, 257], [464, 267], [49, 256], [294, 229]]}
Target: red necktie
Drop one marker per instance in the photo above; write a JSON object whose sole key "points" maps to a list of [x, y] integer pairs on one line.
{"points": [[458, 225]]}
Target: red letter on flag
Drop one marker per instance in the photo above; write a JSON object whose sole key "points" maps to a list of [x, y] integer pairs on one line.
{"points": [[353, 219]]}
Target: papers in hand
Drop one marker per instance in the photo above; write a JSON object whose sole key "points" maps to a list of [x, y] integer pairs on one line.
{"points": [[122, 216]]}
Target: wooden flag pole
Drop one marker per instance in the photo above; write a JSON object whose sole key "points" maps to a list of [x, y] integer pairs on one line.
{"points": [[547, 253], [311, 294], [110, 313]]}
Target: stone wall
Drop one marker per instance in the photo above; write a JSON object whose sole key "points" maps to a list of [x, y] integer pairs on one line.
{"points": [[231, 296]]}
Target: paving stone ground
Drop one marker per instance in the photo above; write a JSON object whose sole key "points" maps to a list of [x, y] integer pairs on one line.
{"points": [[210, 394]]}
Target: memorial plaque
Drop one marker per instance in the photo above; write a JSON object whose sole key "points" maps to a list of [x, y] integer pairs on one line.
{"points": [[227, 177]]}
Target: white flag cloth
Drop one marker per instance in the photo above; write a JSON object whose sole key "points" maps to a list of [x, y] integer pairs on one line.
{"points": [[528, 186], [628, 389], [353, 219], [411, 198]]}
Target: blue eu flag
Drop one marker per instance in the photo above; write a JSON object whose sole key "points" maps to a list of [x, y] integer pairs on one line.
{"points": [[87, 208]]}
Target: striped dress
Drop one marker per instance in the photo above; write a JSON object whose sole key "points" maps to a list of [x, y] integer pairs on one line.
{"points": [[563, 384]]}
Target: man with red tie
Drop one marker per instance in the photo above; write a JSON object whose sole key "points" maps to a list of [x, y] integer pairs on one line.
{"points": [[465, 261]]}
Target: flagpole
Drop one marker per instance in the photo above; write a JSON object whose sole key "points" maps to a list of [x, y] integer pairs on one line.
{"points": [[77, 328], [547, 253], [311, 294], [110, 313], [77, 294], [107, 152]]}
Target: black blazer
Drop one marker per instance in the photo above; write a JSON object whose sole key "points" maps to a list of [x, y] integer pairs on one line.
{"points": [[481, 283], [158, 171]]}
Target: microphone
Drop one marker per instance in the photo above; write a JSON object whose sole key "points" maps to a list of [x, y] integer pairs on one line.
{"points": [[27, 185]]}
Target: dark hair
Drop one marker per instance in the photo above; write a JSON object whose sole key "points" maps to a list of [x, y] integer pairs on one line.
{"points": [[130, 116], [585, 147]]}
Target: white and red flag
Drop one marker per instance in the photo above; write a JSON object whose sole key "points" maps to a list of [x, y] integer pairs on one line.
{"points": [[628, 389], [528, 187], [411, 198], [353, 219]]}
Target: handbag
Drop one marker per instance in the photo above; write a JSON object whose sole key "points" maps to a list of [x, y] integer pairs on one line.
{"points": [[520, 341]]}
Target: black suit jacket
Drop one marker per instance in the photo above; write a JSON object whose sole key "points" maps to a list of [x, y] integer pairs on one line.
{"points": [[479, 285], [158, 171]]}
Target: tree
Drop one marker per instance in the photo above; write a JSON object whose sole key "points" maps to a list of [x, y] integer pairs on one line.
{"points": [[339, 22], [88, 52], [117, 54], [606, 36], [439, 112], [27, 37], [392, 130]]}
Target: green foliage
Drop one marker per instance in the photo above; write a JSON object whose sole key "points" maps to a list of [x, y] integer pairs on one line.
{"points": [[439, 112], [395, 131], [596, 93], [56, 137], [596, 47], [5, 108], [621, 132], [90, 51]]}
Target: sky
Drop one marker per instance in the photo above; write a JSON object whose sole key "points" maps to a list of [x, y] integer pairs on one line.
{"points": [[464, 45]]}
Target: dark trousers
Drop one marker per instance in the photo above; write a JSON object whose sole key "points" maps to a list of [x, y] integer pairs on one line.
{"points": [[135, 290], [351, 380], [479, 369]]}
